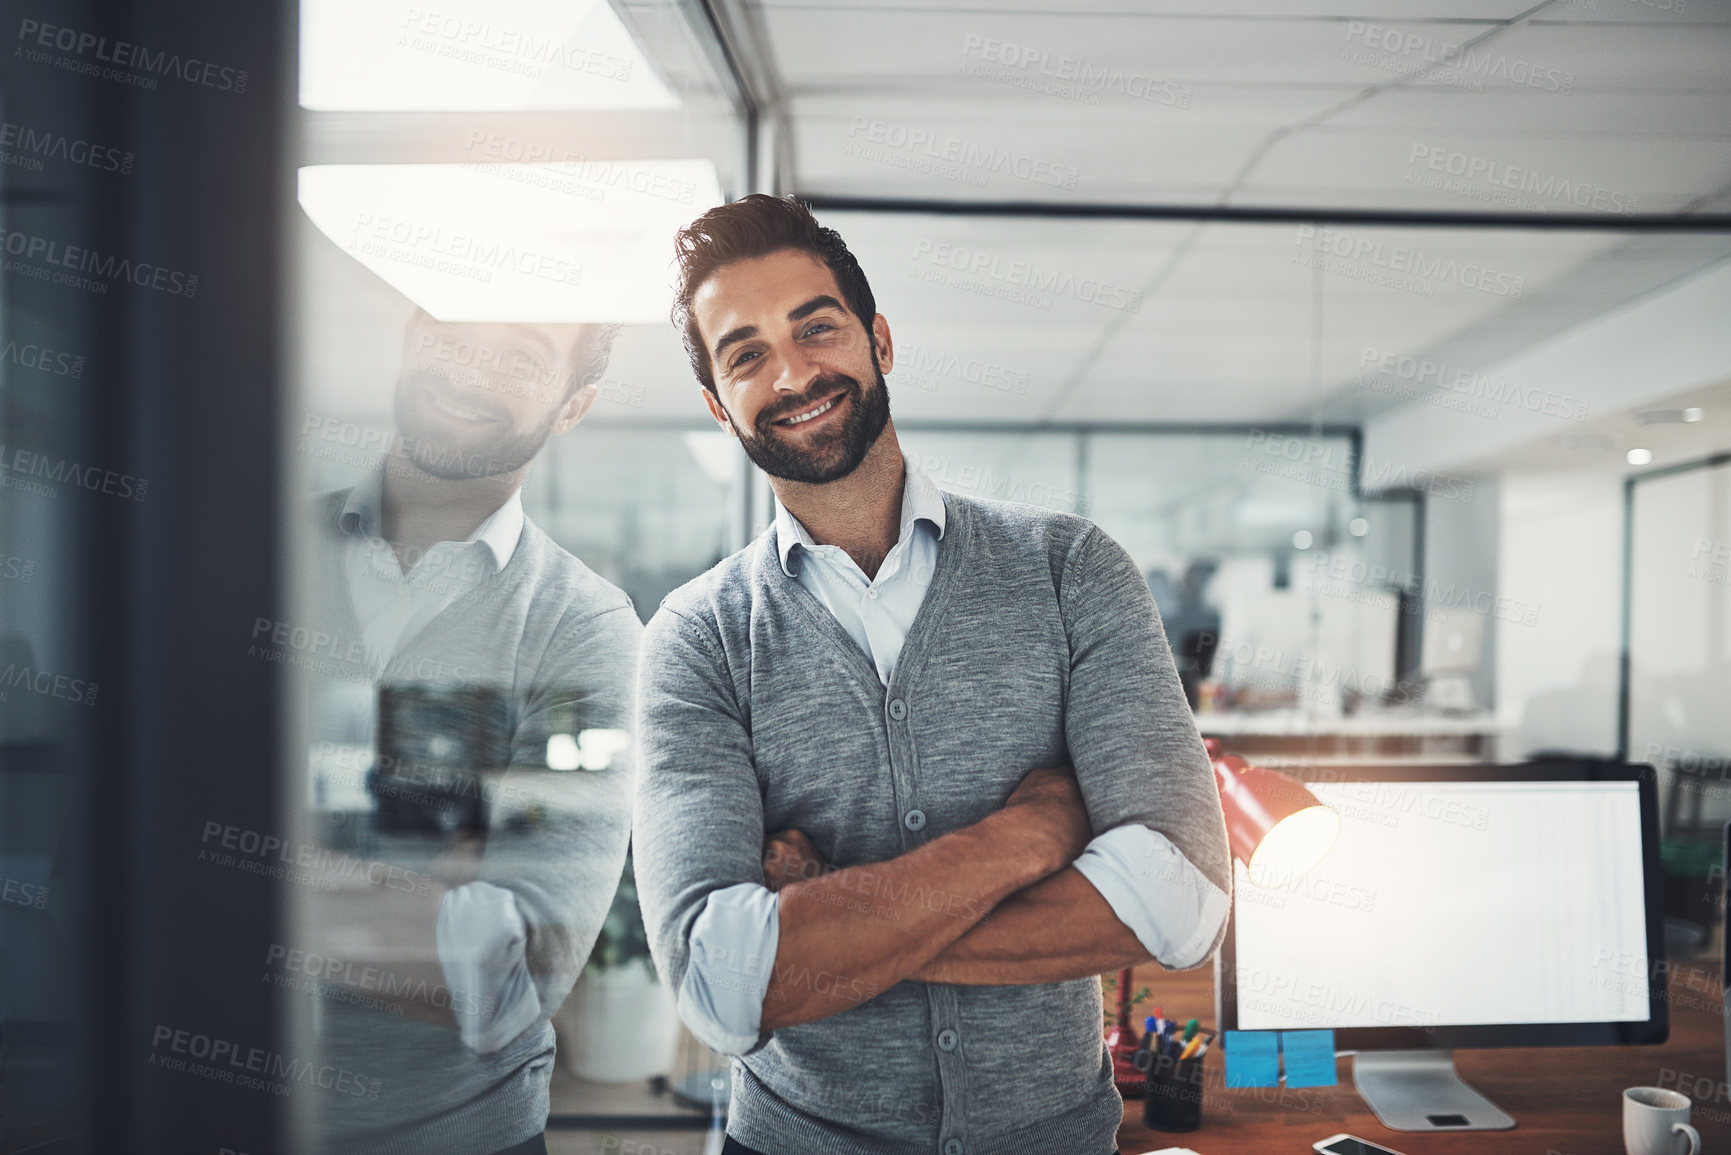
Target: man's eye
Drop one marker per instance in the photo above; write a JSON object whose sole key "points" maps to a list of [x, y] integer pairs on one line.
{"points": [[744, 358], [819, 327]]}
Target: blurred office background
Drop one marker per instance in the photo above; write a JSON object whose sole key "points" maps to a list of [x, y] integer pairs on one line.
{"points": [[1392, 344]]}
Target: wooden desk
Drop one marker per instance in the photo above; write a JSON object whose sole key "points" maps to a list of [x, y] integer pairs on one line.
{"points": [[1565, 1101]]}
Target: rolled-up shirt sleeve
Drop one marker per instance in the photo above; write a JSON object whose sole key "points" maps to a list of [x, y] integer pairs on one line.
{"points": [[482, 942], [1172, 907], [733, 944]]}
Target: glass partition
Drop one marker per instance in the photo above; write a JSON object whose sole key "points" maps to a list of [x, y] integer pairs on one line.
{"points": [[483, 520]]}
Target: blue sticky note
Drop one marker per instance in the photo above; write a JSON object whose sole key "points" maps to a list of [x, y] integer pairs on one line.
{"points": [[1252, 1059], [1309, 1058]]}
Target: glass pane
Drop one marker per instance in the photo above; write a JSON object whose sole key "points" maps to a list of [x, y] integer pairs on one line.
{"points": [[1680, 649], [486, 517]]}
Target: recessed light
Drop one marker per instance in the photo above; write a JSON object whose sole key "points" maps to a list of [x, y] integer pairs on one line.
{"points": [[1358, 527], [1640, 456], [1693, 414], [1301, 539]]}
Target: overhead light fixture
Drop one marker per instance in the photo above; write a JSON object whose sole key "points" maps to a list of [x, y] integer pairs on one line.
{"points": [[1671, 416], [584, 241], [472, 55], [1358, 527], [1640, 456], [1302, 539]]}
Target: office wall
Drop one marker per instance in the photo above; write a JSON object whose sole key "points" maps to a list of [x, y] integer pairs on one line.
{"points": [[1560, 549], [1462, 540]]}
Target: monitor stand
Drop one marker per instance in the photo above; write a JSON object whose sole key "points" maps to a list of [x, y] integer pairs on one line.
{"points": [[1419, 1091]]}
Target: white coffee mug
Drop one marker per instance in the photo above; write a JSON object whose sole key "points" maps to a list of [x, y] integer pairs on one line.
{"points": [[1656, 1122]]}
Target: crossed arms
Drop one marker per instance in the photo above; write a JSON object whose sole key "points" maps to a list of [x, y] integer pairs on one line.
{"points": [[748, 928], [926, 914]]}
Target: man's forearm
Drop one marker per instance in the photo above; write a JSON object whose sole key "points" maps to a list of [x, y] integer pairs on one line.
{"points": [[1059, 928], [849, 934]]}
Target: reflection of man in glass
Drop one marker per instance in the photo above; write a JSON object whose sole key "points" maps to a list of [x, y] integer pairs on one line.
{"points": [[935, 708], [468, 718]]}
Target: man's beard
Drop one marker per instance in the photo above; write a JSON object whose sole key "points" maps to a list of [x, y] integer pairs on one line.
{"points": [[830, 455], [494, 449]]}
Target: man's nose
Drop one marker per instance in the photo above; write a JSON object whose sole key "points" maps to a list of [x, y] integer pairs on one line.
{"points": [[798, 371]]}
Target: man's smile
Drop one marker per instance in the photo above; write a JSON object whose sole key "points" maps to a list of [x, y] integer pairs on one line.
{"points": [[813, 412]]}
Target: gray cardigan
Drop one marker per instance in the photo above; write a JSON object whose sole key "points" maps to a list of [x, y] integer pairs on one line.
{"points": [[1037, 645], [562, 643]]}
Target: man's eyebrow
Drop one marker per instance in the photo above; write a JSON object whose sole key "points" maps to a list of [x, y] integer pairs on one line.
{"points": [[746, 331], [732, 337], [824, 302]]}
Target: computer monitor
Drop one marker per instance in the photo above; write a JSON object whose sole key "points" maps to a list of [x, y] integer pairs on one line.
{"points": [[1460, 906]]}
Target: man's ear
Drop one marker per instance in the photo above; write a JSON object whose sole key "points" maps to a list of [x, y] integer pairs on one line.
{"points": [[716, 411], [886, 348], [576, 407]]}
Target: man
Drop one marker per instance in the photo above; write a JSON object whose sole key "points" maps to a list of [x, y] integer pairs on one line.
{"points": [[936, 708], [472, 646]]}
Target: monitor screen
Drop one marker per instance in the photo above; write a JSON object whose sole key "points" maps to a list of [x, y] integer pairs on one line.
{"points": [[1455, 903]]}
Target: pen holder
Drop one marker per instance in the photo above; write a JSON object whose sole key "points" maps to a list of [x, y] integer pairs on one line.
{"points": [[1173, 1101]]}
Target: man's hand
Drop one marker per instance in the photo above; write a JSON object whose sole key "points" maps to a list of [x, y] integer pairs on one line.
{"points": [[1049, 804], [789, 857]]}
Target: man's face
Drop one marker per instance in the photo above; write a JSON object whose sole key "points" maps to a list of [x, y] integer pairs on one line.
{"points": [[795, 376], [477, 399]]}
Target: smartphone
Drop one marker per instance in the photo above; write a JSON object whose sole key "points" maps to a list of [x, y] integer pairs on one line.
{"points": [[1349, 1145]]}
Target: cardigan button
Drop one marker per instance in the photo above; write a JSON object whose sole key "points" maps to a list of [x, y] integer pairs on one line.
{"points": [[914, 820], [898, 709], [953, 1147], [947, 1040]]}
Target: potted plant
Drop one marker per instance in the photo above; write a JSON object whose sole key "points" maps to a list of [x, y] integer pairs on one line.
{"points": [[619, 1025]]}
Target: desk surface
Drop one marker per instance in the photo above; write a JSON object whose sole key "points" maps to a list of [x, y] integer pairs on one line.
{"points": [[1385, 723], [1565, 1101]]}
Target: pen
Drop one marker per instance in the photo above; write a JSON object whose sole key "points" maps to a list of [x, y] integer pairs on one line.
{"points": [[1190, 1049], [1190, 1029]]}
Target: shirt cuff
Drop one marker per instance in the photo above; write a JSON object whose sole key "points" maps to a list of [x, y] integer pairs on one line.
{"points": [[1173, 908], [482, 942], [733, 943]]}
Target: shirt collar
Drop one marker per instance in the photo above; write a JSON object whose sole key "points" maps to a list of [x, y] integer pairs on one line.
{"points": [[499, 533], [922, 500]]}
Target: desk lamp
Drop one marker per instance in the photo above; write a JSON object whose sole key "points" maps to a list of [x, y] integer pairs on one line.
{"points": [[1276, 828]]}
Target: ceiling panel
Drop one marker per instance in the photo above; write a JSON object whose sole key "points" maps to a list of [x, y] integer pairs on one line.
{"points": [[1596, 106]]}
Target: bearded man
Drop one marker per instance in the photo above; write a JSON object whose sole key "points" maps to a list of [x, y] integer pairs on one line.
{"points": [[916, 767]]}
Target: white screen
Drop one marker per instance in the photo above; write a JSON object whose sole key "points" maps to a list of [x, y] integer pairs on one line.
{"points": [[1454, 904]]}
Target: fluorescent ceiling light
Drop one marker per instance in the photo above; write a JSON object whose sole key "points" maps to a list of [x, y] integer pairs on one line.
{"points": [[470, 55], [574, 241], [1640, 457]]}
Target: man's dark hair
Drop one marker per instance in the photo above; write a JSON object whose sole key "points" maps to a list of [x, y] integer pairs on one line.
{"points": [[756, 226]]}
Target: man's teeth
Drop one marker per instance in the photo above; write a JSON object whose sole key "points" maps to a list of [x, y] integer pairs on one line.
{"points": [[457, 410], [818, 412]]}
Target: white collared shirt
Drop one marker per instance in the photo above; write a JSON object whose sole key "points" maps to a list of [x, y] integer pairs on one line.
{"points": [[877, 612], [1173, 908], [481, 936], [391, 605]]}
